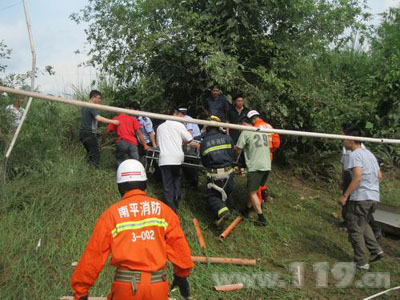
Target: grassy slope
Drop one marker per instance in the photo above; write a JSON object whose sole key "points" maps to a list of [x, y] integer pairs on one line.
{"points": [[62, 205]]}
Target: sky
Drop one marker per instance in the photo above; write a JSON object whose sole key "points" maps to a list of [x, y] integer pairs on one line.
{"points": [[57, 38]]}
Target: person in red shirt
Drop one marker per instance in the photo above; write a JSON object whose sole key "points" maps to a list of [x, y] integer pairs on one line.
{"points": [[140, 233], [126, 141], [273, 143]]}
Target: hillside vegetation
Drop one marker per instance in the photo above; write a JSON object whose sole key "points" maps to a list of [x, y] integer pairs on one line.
{"points": [[58, 198]]}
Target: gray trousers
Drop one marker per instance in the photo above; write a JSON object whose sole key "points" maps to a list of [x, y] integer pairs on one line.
{"points": [[358, 215]]}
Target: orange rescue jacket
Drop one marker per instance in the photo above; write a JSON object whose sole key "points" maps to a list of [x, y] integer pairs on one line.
{"points": [[274, 141], [141, 233]]}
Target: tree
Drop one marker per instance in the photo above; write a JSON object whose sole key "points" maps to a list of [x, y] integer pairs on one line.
{"points": [[180, 48], [4, 54], [386, 51]]}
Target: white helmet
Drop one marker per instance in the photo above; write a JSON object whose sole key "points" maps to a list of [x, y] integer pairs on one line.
{"points": [[252, 113], [131, 170]]}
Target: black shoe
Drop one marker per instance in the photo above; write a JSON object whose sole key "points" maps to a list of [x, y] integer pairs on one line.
{"points": [[261, 221], [377, 256]]}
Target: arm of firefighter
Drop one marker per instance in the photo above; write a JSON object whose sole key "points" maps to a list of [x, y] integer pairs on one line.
{"points": [[178, 251], [93, 259]]}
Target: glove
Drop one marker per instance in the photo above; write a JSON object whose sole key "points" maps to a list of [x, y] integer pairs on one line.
{"points": [[183, 285], [84, 297]]}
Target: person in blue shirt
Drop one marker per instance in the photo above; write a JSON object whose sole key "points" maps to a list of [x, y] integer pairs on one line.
{"points": [[146, 127], [362, 196]]}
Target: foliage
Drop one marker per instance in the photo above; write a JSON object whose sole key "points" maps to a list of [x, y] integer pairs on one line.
{"points": [[4, 54], [184, 48], [60, 208], [48, 128]]}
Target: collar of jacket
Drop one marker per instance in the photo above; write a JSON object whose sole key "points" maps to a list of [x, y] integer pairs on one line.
{"points": [[134, 193]]}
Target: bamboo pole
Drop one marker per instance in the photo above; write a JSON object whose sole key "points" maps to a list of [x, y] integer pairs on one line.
{"points": [[230, 228], [197, 121], [229, 287], [224, 260], [33, 72]]}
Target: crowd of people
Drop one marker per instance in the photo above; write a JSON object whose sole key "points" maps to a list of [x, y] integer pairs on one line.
{"points": [[220, 150], [141, 232]]}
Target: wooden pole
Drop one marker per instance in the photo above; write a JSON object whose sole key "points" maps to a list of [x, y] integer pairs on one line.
{"points": [[224, 260], [33, 72], [229, 287]]}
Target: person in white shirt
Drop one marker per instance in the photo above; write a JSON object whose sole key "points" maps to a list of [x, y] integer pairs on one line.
{"points": [[171, 135], [190, 174], [16, 111]]}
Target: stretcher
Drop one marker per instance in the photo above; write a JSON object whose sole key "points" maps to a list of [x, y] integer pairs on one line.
{"points": [[192, 159], [388, 217]]}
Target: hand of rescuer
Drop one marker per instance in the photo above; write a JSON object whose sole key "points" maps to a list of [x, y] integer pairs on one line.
{"points": [[183, 285]]}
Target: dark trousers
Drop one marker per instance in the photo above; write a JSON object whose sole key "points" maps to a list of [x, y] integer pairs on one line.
{"points": [[214, 197], [171, 178], [361, 236], [89, 141], [346, 182], [125, 148]]}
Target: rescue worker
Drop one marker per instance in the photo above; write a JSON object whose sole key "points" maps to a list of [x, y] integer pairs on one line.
{"points": [[88, 130], [146, 127], [126, 141], [258, 162], [193, 128], [140, 233], [216, 151], [190, 174], [273, 144], [171, 135]]}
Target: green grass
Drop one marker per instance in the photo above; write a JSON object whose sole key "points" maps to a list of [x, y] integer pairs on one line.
{"points": [[61, 205]]}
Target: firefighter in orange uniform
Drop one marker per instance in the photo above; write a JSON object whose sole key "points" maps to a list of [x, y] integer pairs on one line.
{"points": [[273, 143], [140, 233]]}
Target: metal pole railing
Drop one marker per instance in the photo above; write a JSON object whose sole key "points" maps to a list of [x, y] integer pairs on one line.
{"points": [[196, 121]]}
